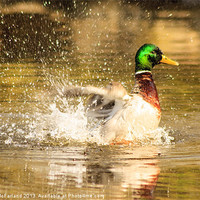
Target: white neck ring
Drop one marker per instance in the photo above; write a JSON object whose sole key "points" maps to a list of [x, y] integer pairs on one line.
{"points": [[143, 71]]}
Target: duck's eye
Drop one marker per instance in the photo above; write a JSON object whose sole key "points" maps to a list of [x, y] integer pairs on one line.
{"points": [[151, 58], [157, 51]]}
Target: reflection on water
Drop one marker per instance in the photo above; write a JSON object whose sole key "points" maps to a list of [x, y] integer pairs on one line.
{"points": [[43, 48], [68, 171]]}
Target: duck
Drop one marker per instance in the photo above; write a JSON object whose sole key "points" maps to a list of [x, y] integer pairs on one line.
{"points": [[123, 113]]}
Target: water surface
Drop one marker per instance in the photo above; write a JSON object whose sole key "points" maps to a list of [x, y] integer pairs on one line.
{"points": [[48, 148]]}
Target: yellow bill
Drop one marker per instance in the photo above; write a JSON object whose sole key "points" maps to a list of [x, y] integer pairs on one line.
{"points": [[168, 61]]}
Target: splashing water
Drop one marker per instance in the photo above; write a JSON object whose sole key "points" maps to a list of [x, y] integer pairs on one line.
{"points": [[65, 123], [61, 128], [64, 126]]}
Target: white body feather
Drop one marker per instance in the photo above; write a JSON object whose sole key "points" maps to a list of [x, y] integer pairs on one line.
{"points": [[136, 116]]}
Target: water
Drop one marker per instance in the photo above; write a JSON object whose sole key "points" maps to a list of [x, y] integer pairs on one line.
{"points": [[47, 146]]}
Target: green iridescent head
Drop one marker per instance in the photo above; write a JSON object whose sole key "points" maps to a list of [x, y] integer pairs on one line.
{"points": [[148, 56]]}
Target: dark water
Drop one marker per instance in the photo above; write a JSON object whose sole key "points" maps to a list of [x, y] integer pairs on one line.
{"points": [[47, 151]]}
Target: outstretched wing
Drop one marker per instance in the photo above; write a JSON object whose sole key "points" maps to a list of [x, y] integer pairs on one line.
{"points": [[103, 102]]}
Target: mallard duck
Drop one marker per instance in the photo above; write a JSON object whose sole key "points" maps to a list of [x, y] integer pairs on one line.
{"points": [[123, 113]]}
